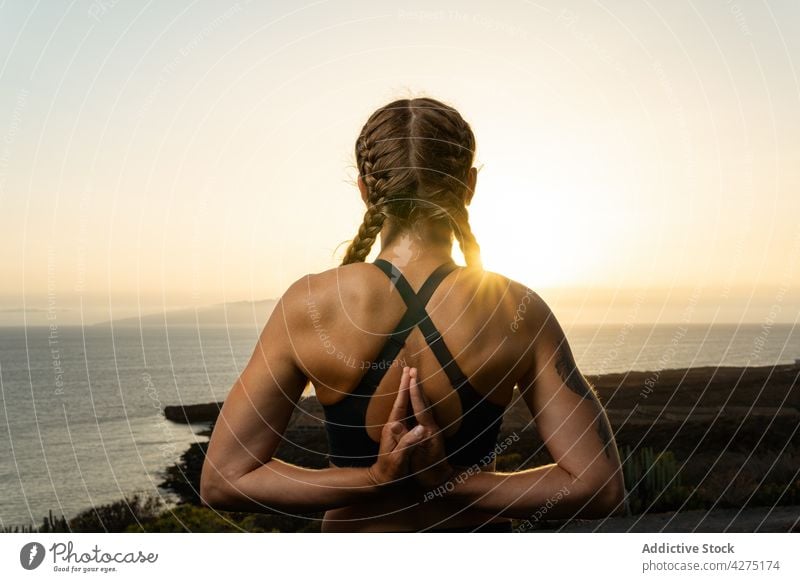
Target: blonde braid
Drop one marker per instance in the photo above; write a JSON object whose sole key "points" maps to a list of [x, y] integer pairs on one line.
{"points": [[375, 215], [466, 239], [369, 230]]}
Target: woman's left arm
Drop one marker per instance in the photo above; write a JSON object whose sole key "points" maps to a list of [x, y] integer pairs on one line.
{"points": [[239, 472]]}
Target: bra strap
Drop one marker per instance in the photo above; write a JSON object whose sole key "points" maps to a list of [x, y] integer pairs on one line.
{"points": [[413, 316]]}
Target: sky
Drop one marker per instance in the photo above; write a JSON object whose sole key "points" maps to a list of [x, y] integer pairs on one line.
{"points": [[637, 159]]}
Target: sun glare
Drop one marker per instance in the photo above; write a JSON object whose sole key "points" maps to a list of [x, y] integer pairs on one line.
{"points": [[536, 239]]}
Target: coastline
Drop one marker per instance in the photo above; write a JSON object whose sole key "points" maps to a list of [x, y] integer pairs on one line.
{"points": [[725, 440], [735, 419]]}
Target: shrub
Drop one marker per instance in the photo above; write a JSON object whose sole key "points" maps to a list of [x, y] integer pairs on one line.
{"points": [[50, 524], [186, 517], [739, 480], [112, 517], [652, 480], [117, 516]]}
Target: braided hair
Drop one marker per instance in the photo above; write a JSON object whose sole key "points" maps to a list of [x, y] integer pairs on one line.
{"points": [[414, 157]]}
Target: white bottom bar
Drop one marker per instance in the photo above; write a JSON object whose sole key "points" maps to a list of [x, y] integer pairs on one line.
{"points": [[401, 557]]}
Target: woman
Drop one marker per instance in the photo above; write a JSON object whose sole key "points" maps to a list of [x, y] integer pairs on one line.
{"points": [[420, 341]]}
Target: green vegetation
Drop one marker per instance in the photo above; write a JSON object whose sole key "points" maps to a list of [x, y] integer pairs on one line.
{"points": [[149, 513], [652, 480], [113, 517]]}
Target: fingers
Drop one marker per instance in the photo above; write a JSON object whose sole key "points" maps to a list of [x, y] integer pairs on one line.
{"points": [[400, 406], [395, 457], [410, 440], [390, 436], [419, 402], [396, 440], [394, 428]]}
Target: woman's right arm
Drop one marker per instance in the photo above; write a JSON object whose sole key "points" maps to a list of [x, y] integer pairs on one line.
{"points": [[240, 473], [586, 478]]}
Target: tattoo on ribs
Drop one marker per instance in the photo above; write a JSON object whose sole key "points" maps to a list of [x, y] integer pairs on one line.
{"points": [[574, 380]]}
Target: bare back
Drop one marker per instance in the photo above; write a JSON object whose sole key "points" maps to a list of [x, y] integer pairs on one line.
{"points": [[351, 311]]}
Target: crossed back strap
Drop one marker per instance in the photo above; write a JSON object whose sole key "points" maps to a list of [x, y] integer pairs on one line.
{"points": [[415, 315]]}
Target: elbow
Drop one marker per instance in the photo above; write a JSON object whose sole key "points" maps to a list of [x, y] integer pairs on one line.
{"points": [[609, 499], [605, 498], [210, 495], [214, 493], [612, 498]]}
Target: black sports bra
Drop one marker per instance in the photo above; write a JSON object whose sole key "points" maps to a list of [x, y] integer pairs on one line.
{"points": [[345, 420]]}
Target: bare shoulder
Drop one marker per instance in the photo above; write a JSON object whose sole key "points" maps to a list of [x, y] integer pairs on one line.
{"points": [[525, 317], [530, 310], [329, 291], [322, 292], [292, 306]]}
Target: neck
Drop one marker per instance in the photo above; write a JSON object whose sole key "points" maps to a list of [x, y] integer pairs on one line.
{"points": [[403, 247]]}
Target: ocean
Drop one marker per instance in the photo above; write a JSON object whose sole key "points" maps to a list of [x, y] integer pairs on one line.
{"points": [[82, 422]]}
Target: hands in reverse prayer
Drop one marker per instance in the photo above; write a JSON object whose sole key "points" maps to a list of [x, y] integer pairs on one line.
{"points": [[419, 452]]}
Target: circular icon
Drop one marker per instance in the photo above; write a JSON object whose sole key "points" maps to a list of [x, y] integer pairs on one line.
{"points": [[31, 555]]}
